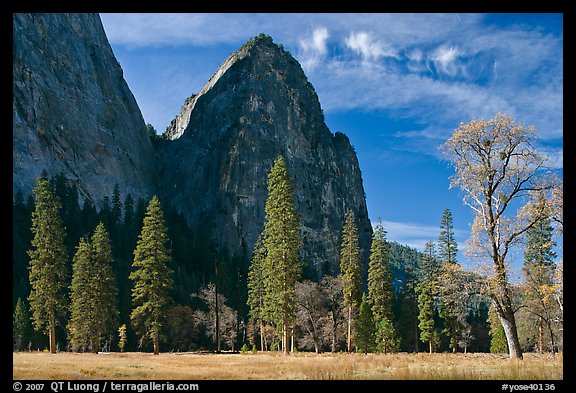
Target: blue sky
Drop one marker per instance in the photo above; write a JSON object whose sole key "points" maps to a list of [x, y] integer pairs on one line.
{"points": [[397, 84]]}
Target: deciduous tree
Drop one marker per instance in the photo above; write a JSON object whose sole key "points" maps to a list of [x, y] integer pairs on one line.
{"points": [[498, 167], [220, 319]]}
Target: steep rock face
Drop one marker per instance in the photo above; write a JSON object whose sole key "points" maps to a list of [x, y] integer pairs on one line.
{"points": [[257, 106], [180, 122], [72, 110]]}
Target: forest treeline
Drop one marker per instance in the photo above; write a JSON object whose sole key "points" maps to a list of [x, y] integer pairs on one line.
{"points": [[201, 274], [132, 275]]}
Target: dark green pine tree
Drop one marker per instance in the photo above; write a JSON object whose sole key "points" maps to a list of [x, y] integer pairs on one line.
{"points": [[426, 290], [256, 296], [21, 239], [426, 314], [282, 267], [93, 293], [539, 270], [48, 258], [380, 292], [151, 276], [116, 204], [128, 211], [450, 307], [82, 326], [21, 327], [365, 327], [351, 271], [104, 283], [498, 341], [447, 246], [386, 336], [539, 243], [429, 266]]}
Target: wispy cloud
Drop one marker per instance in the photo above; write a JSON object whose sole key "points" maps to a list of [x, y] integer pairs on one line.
{"points": [[445, 59], [434, 69], [365, 45], [313, 48], [414, 234]]}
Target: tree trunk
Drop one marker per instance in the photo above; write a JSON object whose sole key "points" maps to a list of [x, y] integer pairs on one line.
{"points": [[285, 339], [52, 336], [333, 349], [262, 346], [416, 337], [156, 346], [552, 341], [508, 321], [217, 314], [93, 345], [349, 347], [505, 310], [430, 345], [540, 336]]}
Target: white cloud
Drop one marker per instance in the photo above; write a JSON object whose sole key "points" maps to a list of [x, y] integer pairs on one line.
{"points": [[516, 69], [317, 43], [313, 49], [414, 234], [363, 44], [444, 58]]}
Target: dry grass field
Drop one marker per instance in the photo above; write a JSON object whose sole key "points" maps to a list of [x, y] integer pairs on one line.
{"points": [[274, 366]]}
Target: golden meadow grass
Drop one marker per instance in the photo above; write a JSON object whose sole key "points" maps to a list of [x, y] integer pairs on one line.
{"points": [[193, 366]]}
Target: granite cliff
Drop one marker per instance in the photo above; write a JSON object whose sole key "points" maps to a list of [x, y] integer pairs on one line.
{"points": [[259, 105], [74, 113]]}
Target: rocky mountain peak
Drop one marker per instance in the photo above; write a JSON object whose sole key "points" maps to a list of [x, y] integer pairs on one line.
{"points": [[259, 105], [260, 50]]}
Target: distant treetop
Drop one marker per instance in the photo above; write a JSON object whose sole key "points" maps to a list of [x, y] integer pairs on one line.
{"points": [[261, 37]]}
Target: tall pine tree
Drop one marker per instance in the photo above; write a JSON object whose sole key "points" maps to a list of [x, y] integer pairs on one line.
{"points": [[351, 271], [20, 325], [380, 292], [82, 326], [539, 270], [151, 276], [365, 327], [48, 258], [116, 204], [256, 296], [426, 314], [426, 290], [450, 286], [498, 341], [282, 266], [447, 246], [93, 293], [105, 280]]}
